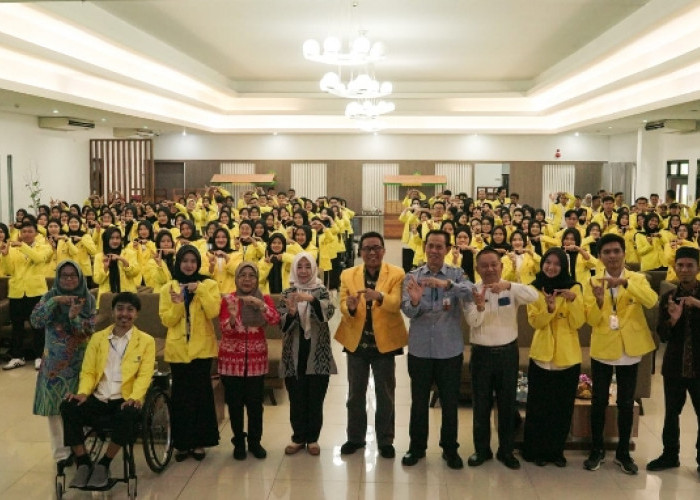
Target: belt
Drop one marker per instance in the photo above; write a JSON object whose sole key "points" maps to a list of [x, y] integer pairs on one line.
{"points": [[494, 347]]}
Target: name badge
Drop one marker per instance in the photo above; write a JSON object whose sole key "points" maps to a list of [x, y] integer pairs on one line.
{"points": [[503, 301], [614, 322]]}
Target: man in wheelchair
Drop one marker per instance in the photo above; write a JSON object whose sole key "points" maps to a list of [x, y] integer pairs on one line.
{"points": [[115, 376]]}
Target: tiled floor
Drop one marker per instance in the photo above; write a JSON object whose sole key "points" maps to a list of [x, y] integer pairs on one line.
{"points": [[27, 470]]}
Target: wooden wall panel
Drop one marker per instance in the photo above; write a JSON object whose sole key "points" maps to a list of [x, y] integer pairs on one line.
{"points": [[589, 178], [526, 180]]}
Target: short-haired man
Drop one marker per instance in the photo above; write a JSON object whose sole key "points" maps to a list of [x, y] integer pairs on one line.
{"points": [[614, 303], [372, 332], [679, 316], [117, 371], [607, 219], [431, 300], [493, 319]]}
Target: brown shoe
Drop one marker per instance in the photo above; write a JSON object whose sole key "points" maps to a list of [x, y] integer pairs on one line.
{"points": [[313, 449], [293, 448]]}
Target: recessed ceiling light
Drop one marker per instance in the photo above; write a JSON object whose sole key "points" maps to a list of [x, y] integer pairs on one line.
{"points": [[576, 134], [645, 121], [145, 126], [55, 111], [184, 132], [609, 127], [274, 133], [103, 119]]}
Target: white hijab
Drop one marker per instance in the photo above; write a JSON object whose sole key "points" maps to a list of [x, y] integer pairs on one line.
{"points": [[309, 286]]}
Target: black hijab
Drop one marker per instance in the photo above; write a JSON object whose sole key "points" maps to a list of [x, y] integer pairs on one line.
{"points": [[571, 255], [168, 258], [195, 235], [114, 277], [79, 233], [274, 279], [562, 281]]}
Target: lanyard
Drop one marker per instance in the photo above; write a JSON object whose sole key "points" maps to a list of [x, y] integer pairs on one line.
{"points": [[121, 356], [614, 301]]}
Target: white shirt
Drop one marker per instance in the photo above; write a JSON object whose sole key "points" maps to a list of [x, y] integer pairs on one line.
{"points": [[497, 324], [625, 359], [110, 385]]}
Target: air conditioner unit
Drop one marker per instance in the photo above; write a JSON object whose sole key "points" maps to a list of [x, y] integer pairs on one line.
{"points": [[64, 123], [142, 133], [672, 126]]}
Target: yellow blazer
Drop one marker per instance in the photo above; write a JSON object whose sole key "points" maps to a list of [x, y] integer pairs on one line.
{"points": [[138, 363], [25, 265], [204, 307], [126, 274], [80, 252], [528, 269], [387, 321], [651, 255], [264, 269], [556, 334], [633, 334]]}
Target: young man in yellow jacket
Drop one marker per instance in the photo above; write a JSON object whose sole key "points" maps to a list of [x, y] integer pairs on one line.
{"points": [[372, 332], [117, 371], [24, 261], [614, 304]]}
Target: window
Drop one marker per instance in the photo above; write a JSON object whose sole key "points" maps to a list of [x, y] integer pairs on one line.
{"points": [[677, 178]]}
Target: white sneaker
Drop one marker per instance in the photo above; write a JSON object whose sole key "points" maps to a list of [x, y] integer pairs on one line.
{"points": [[14, 363], [37, 363]]}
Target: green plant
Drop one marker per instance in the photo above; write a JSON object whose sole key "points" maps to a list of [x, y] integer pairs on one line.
{"points": [[34, 189]]}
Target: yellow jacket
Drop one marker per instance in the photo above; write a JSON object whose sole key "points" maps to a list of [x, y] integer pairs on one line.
{"points": [[126, 274], [556, 334], [650, 254], [203, 308], [138, 363], [387, 321], [225, 272], [527, 271], [633, 335], [25, 265], [157, 275], [80, 252], [264, 269]]}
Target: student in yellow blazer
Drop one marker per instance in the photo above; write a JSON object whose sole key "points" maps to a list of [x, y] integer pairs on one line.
{"points": [[24, 262], [302, 242], [274, 269], [99, 395], [681, 240], [115, 269], [145, 248], [650, 244], [158, 269], [560, 203], [521, 263], [408, 217], [371, 288], [223, 261], [615, 304], [187, 306], [555, 360], [79, 247], [325, 241]]}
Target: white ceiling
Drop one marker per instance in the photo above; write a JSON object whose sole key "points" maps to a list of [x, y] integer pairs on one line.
{"points": [[458, 66]]}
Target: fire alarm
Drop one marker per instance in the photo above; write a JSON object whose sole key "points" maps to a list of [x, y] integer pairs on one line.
{"points": [[557, 154]]}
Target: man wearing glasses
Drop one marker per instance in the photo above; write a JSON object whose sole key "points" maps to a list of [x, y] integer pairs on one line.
{"points": [[372, 332], [431, 299]]}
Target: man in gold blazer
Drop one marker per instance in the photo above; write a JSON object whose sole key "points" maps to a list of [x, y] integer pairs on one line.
{"points": [[614, 304], [372, 332], [116, 374]]}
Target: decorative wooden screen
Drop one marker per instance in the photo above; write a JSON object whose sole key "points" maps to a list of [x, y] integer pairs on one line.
{"points": [[123, 165]]}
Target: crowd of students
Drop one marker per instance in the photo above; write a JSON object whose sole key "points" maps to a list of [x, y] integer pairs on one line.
{"points": [[210, 257]]}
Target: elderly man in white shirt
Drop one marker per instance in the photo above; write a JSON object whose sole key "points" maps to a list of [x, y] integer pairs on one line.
{"points": [[492, 317]]}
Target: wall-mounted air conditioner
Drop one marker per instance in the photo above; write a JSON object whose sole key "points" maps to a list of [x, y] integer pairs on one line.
{"points": [[64, 123], [672, 126], [141, 133]]}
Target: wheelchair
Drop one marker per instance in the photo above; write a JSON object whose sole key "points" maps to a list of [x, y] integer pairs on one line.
{"points": [[155, 435]]}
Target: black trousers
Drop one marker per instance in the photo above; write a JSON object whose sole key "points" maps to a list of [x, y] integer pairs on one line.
{"points": [[334, 280], [384, 374], [446, 374], [306, 396], [550, 406], [194, 415], [20, 311], [407, 255], [494, 370], [93, 412], [248, 392], [675, 391], [601, 375]]}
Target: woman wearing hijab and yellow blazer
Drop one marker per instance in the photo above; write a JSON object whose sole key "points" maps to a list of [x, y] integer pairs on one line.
{"points": [[116, 267]]}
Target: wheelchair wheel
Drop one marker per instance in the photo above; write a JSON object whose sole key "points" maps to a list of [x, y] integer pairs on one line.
{"points": [[156, 427], [94, 442], [60, 487]]}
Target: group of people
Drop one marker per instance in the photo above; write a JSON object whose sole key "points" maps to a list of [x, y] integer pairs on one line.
{"points": [[462, 258]]}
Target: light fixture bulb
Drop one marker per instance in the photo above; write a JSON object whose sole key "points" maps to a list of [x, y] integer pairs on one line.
{"points": [[331, 45], [361, 45], [311, 48]]}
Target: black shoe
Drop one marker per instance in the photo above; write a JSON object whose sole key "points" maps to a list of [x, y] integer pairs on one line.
{"points": [[386, 451], [540, 463], [626, 464], [198, 455], [595, 458], [477, 459], [257, 450], [349, 447], [454, 461], [239, 452], [560, 461], [181, 456], [411, 457], [509, 460], [664, 462]]}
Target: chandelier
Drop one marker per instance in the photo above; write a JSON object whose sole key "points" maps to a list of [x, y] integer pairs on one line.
{"points": [[368, 110], [362, 86], [361, 51]]}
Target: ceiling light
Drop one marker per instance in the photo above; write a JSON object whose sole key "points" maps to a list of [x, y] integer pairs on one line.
{"points": [[576, 134], [360, 51], [103, 119], [184, 132], [55, 111]]}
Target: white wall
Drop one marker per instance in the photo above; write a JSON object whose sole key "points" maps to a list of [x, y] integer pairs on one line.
{"points": [[384, 146], [61, 160], [487, 174], [623, 148]]}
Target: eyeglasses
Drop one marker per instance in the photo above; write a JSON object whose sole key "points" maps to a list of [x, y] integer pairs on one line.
{"points": [[376, 248]]}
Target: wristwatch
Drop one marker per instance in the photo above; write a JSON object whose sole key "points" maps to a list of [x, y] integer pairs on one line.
{"points": [[449, 285]]}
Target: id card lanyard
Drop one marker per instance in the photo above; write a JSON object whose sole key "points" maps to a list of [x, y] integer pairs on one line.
{"points": [[614, 320]]}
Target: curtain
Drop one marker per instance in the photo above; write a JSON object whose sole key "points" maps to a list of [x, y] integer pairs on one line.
{"points": [[237, 190], [373, 185], [309, 179], [557, 178]]}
